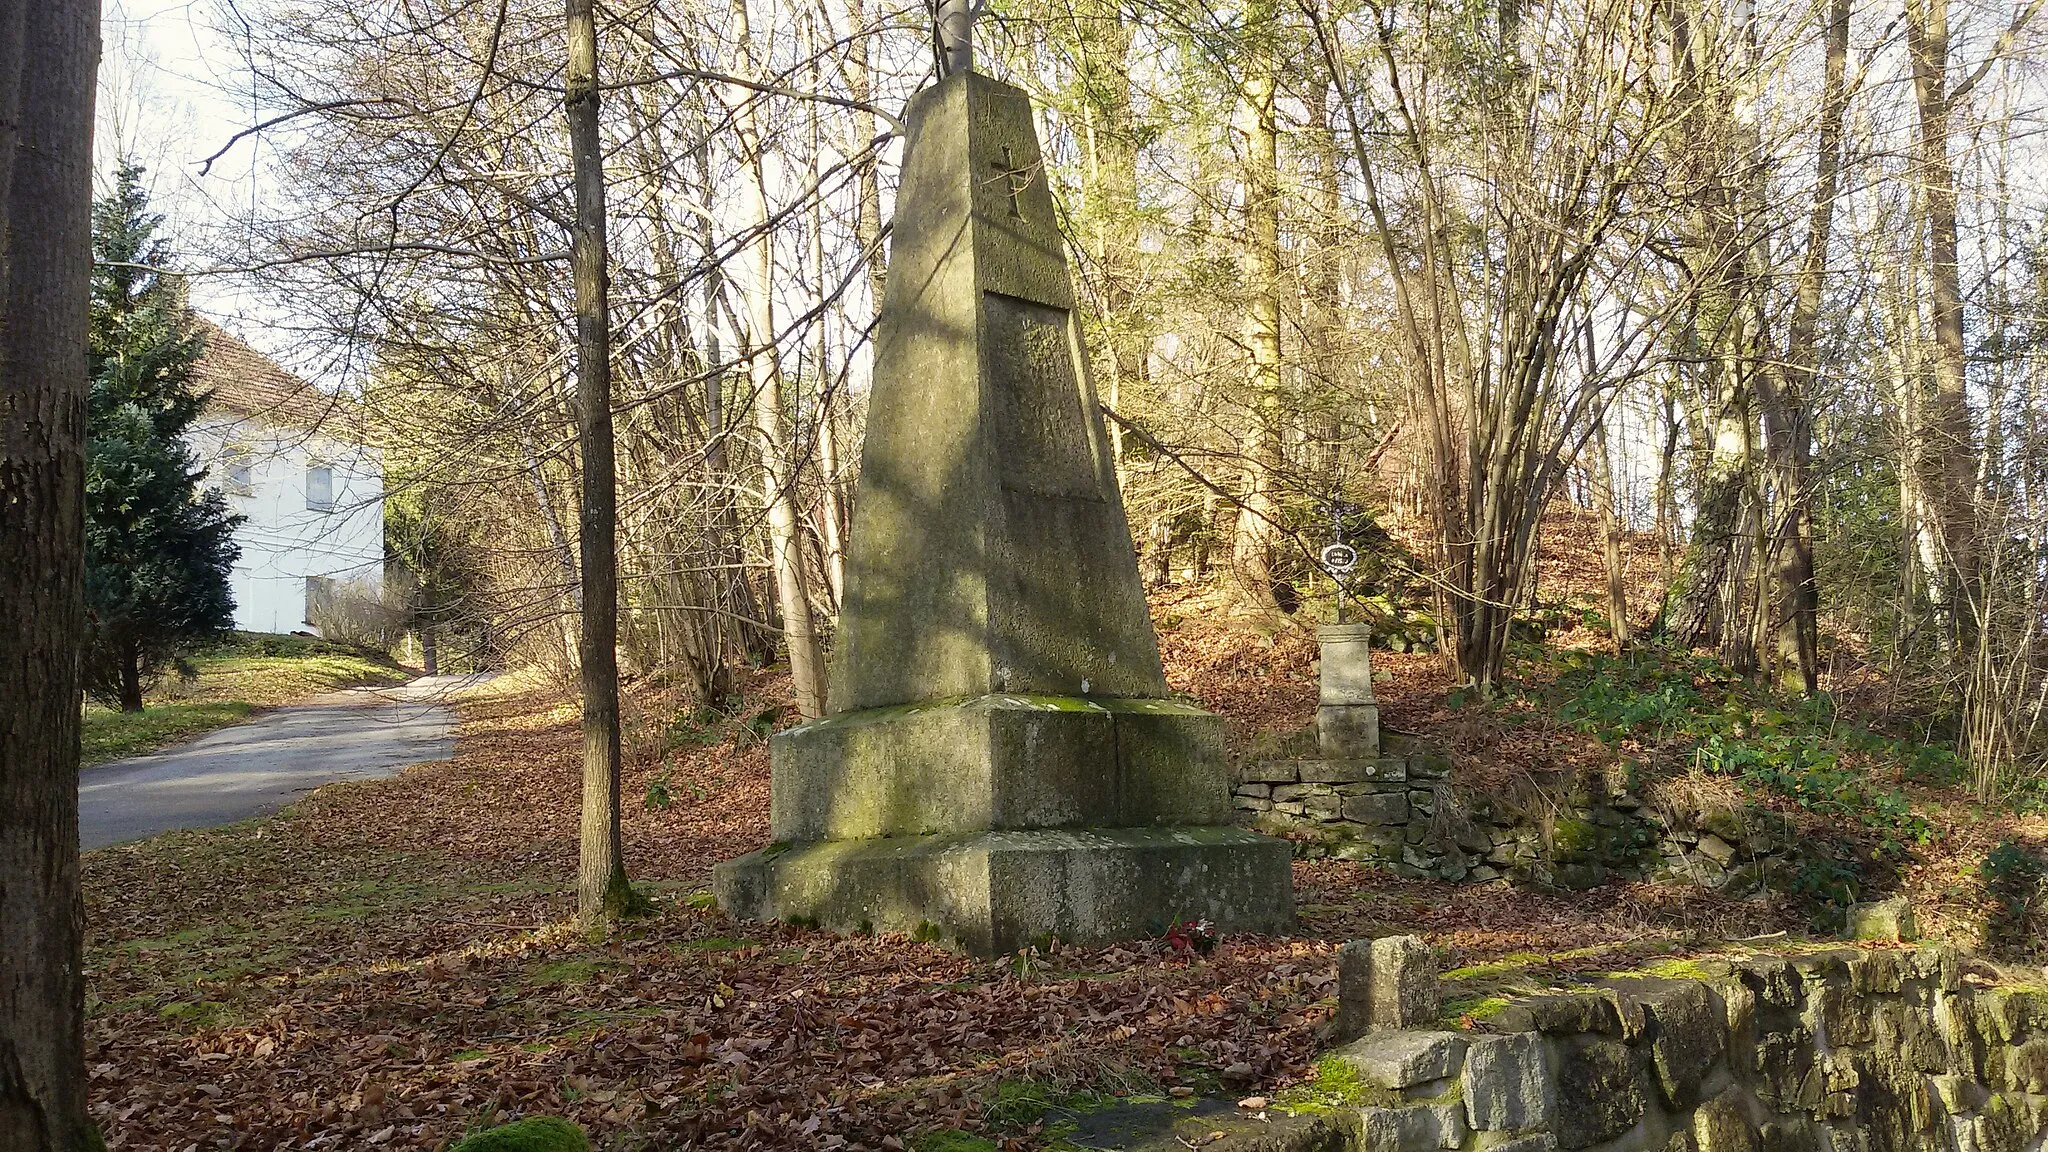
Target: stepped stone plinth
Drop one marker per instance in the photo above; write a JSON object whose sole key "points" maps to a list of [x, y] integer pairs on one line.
{"points": [[1003, 762], [1347, 714]]}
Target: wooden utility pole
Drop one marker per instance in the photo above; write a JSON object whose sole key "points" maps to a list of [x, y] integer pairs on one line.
{"points": [[602, 892], [48, 54]]}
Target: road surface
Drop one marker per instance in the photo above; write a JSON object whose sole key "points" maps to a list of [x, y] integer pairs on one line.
{"points": [[267, 763]]}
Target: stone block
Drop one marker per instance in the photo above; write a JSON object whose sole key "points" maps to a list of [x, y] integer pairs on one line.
{"points": [[1722, 1125], [1840, 1014], [1579, 877], [1502, 1142], [1405, 1059], [2026, 1068], [1797, 1135], [1252, 804], [1416, 1128], [1509, 1085], [1348, 731], [1716, 849], [1369, 846], [1959, 1094], [1379, 808], [1382, 770], [1909, 1033], [1940, 964], [997, 762], [994, 892], [1888, 920], [1345, 666], [1560, 1014], [1600, 1092], [1783, 1070], [1270, 772], [1690, 1036], [1261, 791], [1384, 984]]}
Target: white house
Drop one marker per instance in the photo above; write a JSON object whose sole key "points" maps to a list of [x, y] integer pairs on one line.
{"points": [[288, 458]]}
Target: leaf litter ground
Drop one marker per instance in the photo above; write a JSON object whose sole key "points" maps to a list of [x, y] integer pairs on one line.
{"points": [[387, 964]]}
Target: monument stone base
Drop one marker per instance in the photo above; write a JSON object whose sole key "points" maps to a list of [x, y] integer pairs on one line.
{"points": [[995, 892], [1001, 761]]}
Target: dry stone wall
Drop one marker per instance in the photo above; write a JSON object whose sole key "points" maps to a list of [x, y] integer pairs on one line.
{"points": [[1403, 811], [1848, 1050]]}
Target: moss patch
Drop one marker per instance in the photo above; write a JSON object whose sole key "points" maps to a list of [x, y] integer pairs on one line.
{"points": [[534, 1134], [952, 1140], [564, 972], [1337, 1085]]}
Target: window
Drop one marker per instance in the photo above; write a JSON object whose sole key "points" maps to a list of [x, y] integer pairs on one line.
{"points": [[319, 597], [319, 488], [235, 464]]}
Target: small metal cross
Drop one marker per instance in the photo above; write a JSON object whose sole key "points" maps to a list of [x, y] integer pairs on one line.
{"points": [[1007, 168]]}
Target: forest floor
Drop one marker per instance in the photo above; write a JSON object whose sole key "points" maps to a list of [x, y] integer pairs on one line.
{"points": [[245, 675], [340, 977]]}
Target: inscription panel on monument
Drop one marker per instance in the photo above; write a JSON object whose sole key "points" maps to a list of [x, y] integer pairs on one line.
{"points": [[1042, 431]]}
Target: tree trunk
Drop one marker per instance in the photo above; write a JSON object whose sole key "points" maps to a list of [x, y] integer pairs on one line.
{"points": [[1610, 538], [1111, 204], [602, 892], [785, 531], [1258, 514], [831, 518], [430, 650], [1788, 415], [47, 57], [1947, 458], [131, 678], [867, 215]]}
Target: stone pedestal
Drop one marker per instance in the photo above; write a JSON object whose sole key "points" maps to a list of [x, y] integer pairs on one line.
{"points": [[1003, 763], [1387, 983], [1347, 716]]}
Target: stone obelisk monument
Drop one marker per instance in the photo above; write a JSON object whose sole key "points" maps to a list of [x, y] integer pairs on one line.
{"points": [[1002, 764]]}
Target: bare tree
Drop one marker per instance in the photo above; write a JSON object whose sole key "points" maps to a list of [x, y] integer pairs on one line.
{"points": [[602, 891]]}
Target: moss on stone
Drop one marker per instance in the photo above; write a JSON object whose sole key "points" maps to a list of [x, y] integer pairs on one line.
{"points": [[1337, 1086], [1512, 962], [1672, 968], [1574, 839], [533, 1134], [1476, 1007]]}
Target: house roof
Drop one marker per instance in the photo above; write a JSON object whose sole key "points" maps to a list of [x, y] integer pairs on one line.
{"points": [[245, 382]]}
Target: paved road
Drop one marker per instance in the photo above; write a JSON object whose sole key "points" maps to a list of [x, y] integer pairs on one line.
{"points": [[267, 763]]}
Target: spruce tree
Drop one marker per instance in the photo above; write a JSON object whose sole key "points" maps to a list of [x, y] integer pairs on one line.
{"points": [[158, 549]]}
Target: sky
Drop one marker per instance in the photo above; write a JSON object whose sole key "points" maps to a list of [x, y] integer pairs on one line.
{"points": [[167, 99]]}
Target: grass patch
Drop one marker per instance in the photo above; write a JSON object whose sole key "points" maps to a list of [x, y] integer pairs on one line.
{"points": [[1021, 1103], [717, 944], [110, 735], [564, 972], [234, 680], [952, 1140]]}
